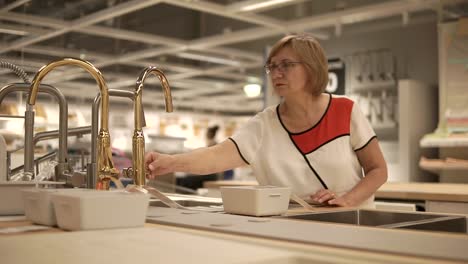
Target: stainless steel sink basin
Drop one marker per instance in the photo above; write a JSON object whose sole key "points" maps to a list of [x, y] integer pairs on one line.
{"points": [[390, 219], [186, 203], [364, 217], [453, 224]]}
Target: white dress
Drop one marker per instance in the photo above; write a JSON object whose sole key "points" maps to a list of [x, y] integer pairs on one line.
{"points": [[322, 156]]}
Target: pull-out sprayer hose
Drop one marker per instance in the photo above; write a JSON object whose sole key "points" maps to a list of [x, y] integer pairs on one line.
{"points": [[17, 70]]}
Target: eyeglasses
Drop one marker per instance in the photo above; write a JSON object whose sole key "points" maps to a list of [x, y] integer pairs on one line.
{"points": [[282, 67]]}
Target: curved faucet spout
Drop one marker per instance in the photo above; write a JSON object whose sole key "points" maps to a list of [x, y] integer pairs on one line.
{"points": [[139, 169], [97, 75], [139, 93], [106, 168]]}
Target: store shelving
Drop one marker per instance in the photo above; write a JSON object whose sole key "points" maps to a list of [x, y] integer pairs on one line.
{"points": [[452, 148], [440, 165], [439, 142]]}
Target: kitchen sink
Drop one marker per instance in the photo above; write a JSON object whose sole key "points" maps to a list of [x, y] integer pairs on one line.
{"points": [[453, 224], [364, 217], [390, 219]]}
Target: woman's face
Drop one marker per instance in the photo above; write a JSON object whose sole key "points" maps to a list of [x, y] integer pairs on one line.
{"points": [[288, 73]]}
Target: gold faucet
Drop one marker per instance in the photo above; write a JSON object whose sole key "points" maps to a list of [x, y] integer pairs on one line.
{"points": [[139, 169], [106, 169]]}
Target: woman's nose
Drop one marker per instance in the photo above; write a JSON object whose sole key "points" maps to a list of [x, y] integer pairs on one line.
{"points": [[275, 74]]}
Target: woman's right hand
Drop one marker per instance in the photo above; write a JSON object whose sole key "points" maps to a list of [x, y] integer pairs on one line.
{"points": [[158, 164]]}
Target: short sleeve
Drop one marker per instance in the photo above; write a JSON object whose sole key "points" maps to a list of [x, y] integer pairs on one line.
{"points": [[361, 131], [248, 138]]}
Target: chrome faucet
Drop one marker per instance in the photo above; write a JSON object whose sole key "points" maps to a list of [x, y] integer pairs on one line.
{"points": [[51, 134], [91, 167], [72, 178], [138, 144], [46, 135], [29, 127], [106, 169]]}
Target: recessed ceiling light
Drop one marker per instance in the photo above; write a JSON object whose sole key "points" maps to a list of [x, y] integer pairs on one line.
{"points": [[252, 89], [262, 4]]}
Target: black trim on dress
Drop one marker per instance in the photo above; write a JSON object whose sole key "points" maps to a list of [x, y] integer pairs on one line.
{"points": [[343, 135], [367, 143], [315, 172], [304, 156], [307, 130], [238, 150], [290, 137]]}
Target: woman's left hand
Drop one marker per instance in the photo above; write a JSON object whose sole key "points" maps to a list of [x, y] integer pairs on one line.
{"points": [[325, 196], [340, 201]]}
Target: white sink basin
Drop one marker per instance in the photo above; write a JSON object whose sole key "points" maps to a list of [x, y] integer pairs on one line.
{"points": [[100, 209], [38, 206], [255, 200], [11, 202]]}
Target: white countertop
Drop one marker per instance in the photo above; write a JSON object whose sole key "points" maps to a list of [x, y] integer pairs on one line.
{"points": [[392, 241]]}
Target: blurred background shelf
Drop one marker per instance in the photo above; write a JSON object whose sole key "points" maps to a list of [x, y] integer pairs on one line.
{"points": [[442, 165], [433, 141], [376, 86]]}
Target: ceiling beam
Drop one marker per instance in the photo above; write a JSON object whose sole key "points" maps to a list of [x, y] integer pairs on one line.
{"points": [[197, 86], [368, 12], [118, 34], [352, 15], [107, 60], [328, 20], [19, 30], [157, 99], [130, 35], [223, 11], [93, 18], [34, 20], [213, 71], [13, 5], [243, 6], [62, 52]]}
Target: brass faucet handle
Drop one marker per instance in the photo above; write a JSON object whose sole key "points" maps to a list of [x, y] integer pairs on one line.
{"points": [[105, 180], [114, 172], [127, 172], [103, 183]]}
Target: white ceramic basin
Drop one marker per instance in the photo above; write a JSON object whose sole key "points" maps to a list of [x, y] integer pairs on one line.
{"points": [[11, 202], [38, 206], [100, 209], [255, 200]]}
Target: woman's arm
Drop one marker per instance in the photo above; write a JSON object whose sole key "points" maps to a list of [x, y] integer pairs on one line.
{"points": [[220, 157], [375, 171]]}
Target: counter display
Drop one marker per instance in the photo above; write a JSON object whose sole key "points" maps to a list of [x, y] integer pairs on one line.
{"points": [[172, 242]]}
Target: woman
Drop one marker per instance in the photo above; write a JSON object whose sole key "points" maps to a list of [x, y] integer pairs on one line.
{"points": [[318, 144]]}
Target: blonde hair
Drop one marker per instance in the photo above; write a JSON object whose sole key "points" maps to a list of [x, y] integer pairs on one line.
{"points": [[311, 54]]}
